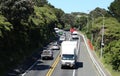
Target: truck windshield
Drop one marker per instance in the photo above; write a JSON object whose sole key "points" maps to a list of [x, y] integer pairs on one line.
{"points": [[68, 57]]}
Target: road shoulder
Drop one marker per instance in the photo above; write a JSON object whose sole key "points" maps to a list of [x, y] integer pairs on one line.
{"points": [[97, 59]]}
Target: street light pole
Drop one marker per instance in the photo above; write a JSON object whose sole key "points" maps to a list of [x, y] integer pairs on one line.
{"points": [[102, 42], [91, 27], [87, 24]]}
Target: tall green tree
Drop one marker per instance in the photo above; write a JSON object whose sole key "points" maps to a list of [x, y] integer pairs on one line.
{"points": [[114, 9], [17, 10], [80, 22], [59, 13], [68, 19], [40, 3], [98, 12]]}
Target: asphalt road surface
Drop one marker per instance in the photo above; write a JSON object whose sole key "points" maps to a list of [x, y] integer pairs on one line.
{"points": [[84, 67]]}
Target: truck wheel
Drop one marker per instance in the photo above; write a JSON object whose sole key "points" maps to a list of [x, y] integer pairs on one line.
{"points": [[74, 67], [61, 67], [42, 58], [51, 58]]}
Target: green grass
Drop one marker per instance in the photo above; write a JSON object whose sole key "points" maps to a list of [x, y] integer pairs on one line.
{"points": [[108, 67], [113, 73]]}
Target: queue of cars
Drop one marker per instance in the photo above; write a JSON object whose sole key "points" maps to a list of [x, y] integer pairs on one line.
{"points": [[48, 52], [68, 48]]}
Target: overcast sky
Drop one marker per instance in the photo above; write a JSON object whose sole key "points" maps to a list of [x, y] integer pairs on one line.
{"points": [[85, 6]]}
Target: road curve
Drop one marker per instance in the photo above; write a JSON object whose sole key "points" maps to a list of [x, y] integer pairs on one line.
{"points": [[85, 67]]}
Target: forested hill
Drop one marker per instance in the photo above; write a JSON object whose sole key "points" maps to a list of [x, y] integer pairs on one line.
{"points": [[25, 25]]}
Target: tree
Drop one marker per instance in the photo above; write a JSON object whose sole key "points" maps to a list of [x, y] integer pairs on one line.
{"points": [[40, 3], [17, 10], [80, 22], [114, 9], [97, 12], [112, 54], [59, 13], [68, 19]]}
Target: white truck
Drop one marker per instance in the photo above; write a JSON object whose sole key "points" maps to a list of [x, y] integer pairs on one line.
{"points": [[68, 54]]}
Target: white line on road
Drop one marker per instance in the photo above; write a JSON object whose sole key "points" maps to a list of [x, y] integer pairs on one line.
{"points": [[73, 72], [30, 68], [93, 59]]}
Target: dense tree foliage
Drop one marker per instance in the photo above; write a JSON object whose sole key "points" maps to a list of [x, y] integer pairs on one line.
{"points": [[80, 22], [59, 13], [68, 19], [112, 54], [25, 25], [17, 11], [114, 9], [40, 3], [98, 12], [111, 50]]}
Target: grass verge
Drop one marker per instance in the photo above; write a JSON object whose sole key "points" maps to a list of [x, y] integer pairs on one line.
{"points": [[108, 67]]}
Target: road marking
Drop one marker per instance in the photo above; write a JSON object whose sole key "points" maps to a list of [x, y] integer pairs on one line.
{"points": [[50, 71], [101, 72], [30, 68], [73, 72]]}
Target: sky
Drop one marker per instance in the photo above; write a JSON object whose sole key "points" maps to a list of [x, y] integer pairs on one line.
{"points": [[85, 6]]}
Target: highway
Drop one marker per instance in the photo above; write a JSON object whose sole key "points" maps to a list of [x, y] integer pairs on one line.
{"points": [[84, 67], [41, 67]]}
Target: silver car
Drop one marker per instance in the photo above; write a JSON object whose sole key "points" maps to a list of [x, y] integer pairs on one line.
{"points": [[55, 47]]}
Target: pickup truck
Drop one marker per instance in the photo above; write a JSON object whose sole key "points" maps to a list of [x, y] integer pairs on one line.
{"points": [[47, 54]]}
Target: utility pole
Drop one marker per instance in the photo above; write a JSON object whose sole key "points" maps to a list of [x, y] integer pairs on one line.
{"points": [[87, 24], [102, 41]]}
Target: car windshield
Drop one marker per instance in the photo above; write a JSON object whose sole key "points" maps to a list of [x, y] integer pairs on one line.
{"points": [[67, 57], [55, 45], [62, 37], [74, 34]]}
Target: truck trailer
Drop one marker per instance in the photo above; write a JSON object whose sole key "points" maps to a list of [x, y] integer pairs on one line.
{"points": [[68, 54]]}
